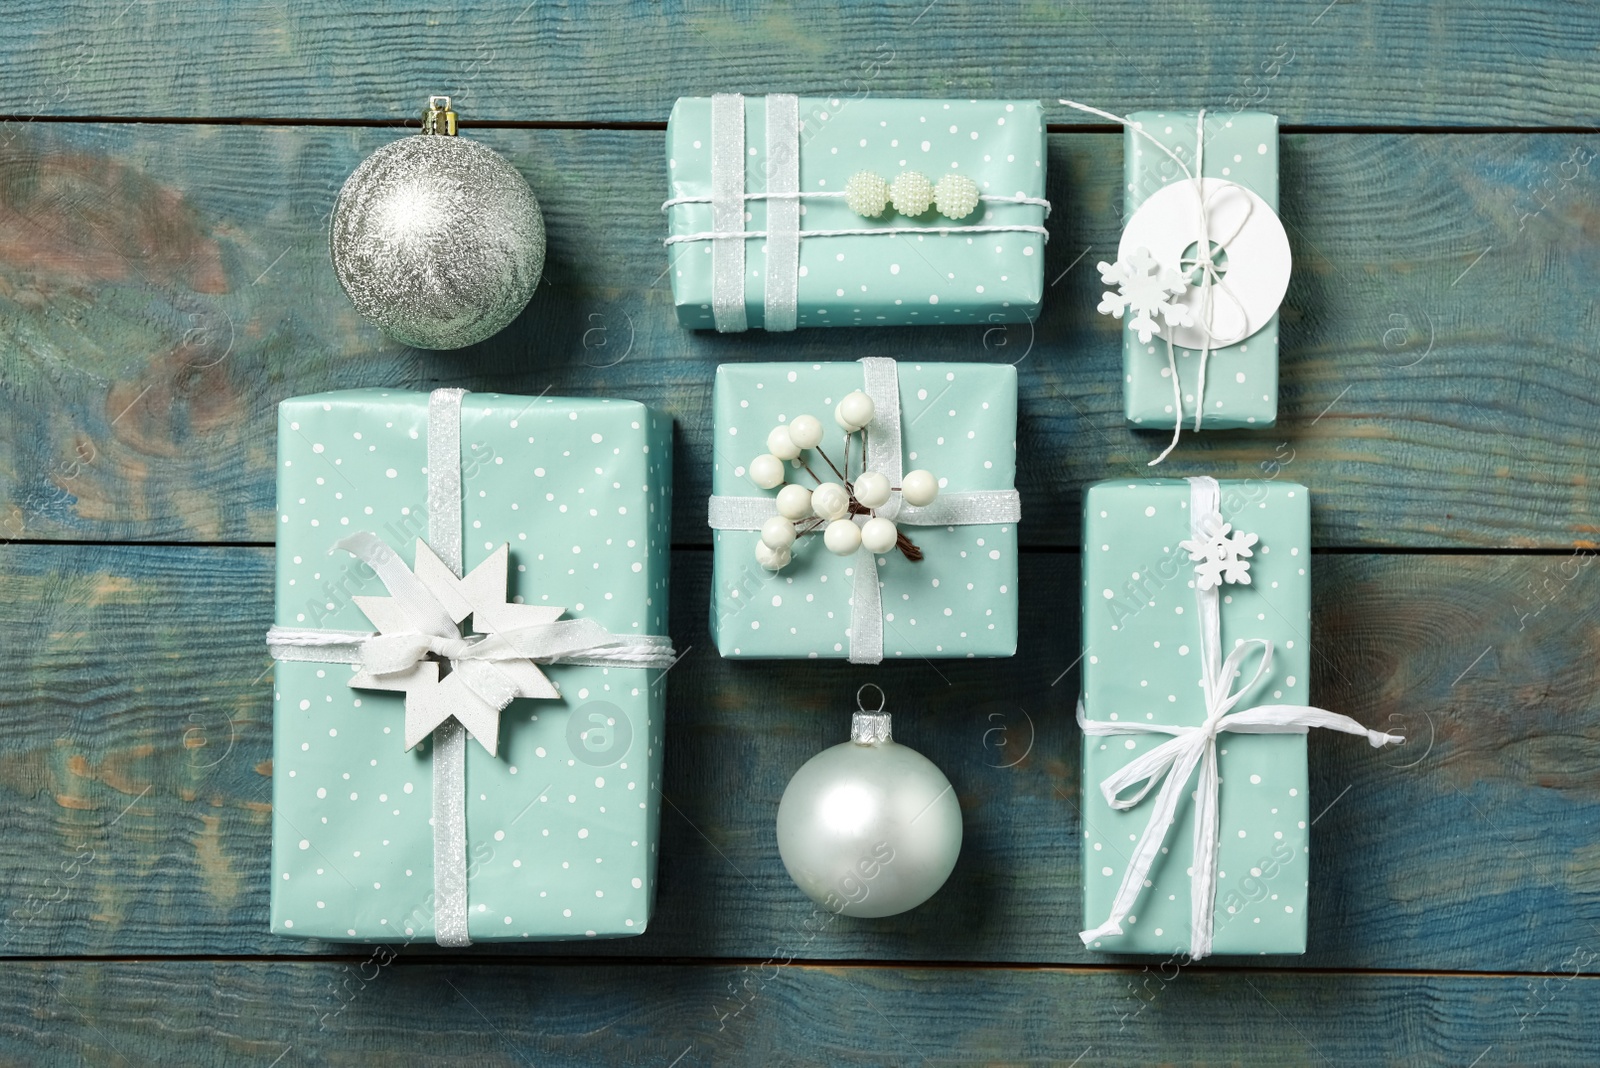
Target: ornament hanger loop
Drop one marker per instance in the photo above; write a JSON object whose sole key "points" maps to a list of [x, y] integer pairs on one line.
{"points": [[882, 700], [437, 119]]}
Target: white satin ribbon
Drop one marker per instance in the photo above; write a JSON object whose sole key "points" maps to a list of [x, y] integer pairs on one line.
{"points": [[1171, 763], [782, 300], [420, 619], [727, 212], [883, 454], [728, 233]]}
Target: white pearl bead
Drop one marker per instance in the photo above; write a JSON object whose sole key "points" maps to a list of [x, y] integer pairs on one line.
{"points": [[855, 411], [872, 489], [830, 501], [842, 537], [781, 445], [911, 192], [879, 534], [956, 196], [766, 471], [919, 488], [777, 533], [770, 558], [805, 431], [867, 194], [794, 502]]}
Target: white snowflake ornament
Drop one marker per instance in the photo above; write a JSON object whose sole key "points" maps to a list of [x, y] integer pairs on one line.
{"points": [[1221, 555], [1144, 287]]}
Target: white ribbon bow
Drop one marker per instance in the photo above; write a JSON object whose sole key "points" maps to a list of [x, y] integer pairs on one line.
{"points": [[1171, 763], [422, 616], [881, 382]]}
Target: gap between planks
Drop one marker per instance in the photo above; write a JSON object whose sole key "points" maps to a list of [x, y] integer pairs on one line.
{"points": [[455, 960], [1042, 550], [570, 124]]}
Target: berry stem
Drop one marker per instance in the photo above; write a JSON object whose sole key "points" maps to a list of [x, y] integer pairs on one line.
{"points": [[830, 462]]}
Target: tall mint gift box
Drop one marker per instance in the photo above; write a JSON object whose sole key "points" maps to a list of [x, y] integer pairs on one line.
{"points": [[1201, 268], [469, 701], [929, 467], [788, 211], [1196, 669]]}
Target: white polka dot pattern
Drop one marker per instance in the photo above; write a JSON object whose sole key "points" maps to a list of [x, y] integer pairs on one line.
{"points": [[1136, 580], [1241, 379], [562, 825], [960, 600], [856, 281]]}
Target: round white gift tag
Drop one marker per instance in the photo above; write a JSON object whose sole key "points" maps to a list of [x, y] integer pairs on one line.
{"points": [[1256, 266]]}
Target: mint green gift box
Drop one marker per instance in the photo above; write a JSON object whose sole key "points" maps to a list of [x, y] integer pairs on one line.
{"points": [[959, 421], [1241, 379], [562, 824], [1141, 662], [869, 280]]}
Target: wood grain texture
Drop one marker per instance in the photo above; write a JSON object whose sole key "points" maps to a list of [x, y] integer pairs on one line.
{"points": [[367, 1010], [135, 779], [163, 287], [1311, 61]]}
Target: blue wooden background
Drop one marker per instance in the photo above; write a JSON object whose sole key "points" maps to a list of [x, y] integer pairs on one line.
{"points": [[166, 172]]}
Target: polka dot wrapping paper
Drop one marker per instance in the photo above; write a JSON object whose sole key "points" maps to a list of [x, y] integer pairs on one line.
{"points": [[1141, 661], [1241, 387], [959, 421], [561, 825], [870, 280]]}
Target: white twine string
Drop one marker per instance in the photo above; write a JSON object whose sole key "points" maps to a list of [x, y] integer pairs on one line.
{"points": [[1211, 280], [839, 195], [783, 236], [1170, 764], [714, 235]]}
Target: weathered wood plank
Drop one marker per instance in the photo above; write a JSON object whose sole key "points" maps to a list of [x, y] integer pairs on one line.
{"points": [[1312, 61], [385, 1007], [163, 287], [135, 779]]}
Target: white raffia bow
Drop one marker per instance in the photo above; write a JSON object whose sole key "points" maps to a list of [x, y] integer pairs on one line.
{"points": [[881, 382], [1171, 763]]}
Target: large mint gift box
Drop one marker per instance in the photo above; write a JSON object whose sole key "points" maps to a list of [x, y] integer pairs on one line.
{"points": [[1241, 382], [956, 420], [987, 267], [560, 822], [1142, 662]]}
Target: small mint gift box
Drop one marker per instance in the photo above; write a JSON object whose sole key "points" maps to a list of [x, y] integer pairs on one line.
{"points": [[933, 462], [1196, 666], [788, 211], [468, 702], [1199, 329]]}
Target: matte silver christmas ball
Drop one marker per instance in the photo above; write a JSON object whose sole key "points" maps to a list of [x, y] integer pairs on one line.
{"points": [[869, 827], [437, 240]]}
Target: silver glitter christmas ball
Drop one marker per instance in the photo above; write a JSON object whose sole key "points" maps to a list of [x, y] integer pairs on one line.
{"points": [[869, 827], [437, 240]]}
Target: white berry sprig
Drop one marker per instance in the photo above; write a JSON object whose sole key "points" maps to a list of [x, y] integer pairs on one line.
{"points": [[844, 509]]}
